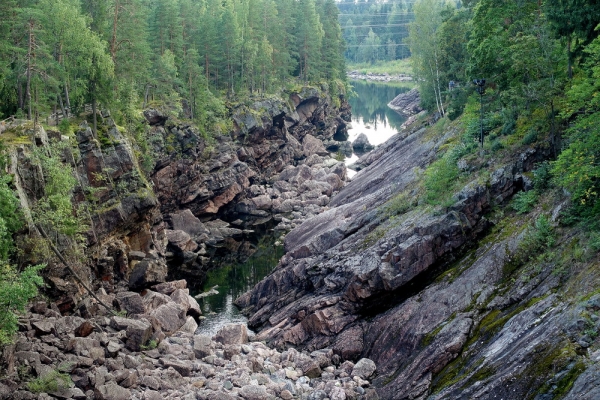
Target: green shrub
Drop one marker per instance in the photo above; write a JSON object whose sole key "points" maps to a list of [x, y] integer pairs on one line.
{"points": [[530, 138], [51, 382], [64, 127], [523, 202], [440, 181]]}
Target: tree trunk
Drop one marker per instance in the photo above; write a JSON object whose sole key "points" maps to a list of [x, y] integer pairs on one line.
{"points": [[30, 55], [67, 99], [62, 106]]}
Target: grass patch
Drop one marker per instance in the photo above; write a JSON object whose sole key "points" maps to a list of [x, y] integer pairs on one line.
{"points": [[51, 382]]}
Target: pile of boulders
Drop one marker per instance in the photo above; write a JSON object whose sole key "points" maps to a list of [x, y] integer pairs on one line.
{"points": [[149, 349], [297, 193]]}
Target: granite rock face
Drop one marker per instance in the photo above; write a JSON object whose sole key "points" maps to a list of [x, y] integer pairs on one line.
{"points": [[366, 285]]}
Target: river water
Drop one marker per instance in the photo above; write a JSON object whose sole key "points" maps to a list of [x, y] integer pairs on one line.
{"points": [[370, 115]]}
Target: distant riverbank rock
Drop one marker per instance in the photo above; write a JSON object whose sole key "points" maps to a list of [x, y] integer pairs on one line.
{"points": [[383, 77], [408, 103], [361, 143]]}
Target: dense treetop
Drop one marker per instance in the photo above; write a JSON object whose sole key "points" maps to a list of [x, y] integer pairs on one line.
{"points": [[66, 53]]}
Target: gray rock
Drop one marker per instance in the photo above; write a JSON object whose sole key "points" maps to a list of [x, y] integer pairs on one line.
{"points": [[361, 143], [130, 302], [170, 317], [169, 287], [232, 334], [146, 273], [112, 391], [252, 392], [364, 368], [138, 331], [202, 346]]}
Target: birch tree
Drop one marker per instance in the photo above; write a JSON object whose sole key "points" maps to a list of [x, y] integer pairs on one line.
{"points": [[424, 43]]}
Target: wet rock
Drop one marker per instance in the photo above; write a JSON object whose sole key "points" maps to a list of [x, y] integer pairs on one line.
{"points": [[361, 143]]}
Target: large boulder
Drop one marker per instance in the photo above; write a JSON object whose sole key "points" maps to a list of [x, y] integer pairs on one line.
{"points": [[138, 331], [148, 272], [130, 302], [311, 145], [361, 143], [232, 334], [187, 222], [112, 391], [170, 317]]}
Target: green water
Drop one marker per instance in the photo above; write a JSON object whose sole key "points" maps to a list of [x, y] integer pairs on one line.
{"points": [[233, 280]]}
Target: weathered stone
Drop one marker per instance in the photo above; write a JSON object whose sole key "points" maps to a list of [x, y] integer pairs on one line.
{"points": [[187, 222], [112, 391], [153, 300], [202, 346], [170, 317], [84, 330], [252, 392], [130, 302], [190, 326], [364, 368], [232, 334], [184, 368], [169, 287], [361, 143], [146, 273], [138, 331]]}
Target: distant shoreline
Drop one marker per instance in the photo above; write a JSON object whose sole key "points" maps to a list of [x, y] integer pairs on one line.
{"points": [[380, 77]]}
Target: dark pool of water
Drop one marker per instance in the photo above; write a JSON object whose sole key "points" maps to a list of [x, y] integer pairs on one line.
{"points": [[234, 279], [371, 115]]}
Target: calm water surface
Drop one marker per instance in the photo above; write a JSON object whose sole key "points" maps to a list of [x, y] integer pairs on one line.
{"points": [[233, 280], [371, 115]]}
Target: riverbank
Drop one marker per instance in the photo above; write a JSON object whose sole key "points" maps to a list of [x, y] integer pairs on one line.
{"points": [[379, 77]]}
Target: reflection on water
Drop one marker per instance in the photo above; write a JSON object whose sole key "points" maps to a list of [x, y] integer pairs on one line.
{"points": [[371, 115], [233, 280]]}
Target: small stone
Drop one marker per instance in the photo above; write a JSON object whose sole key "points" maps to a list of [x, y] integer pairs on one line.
{"points": [[286, 395], [228, 385]]}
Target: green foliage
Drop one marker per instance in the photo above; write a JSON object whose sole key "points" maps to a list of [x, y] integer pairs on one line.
{"points": [[440, 181], [55, 209], [16, 289], [65, 127], [11, 218], [523, 202], [151, 345], [50, 382]]}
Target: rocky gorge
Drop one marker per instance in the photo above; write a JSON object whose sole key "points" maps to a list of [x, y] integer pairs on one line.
{"points": [[379, 294]]}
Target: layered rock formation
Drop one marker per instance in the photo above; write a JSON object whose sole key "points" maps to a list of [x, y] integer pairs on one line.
{"points": [[440, 315]]}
